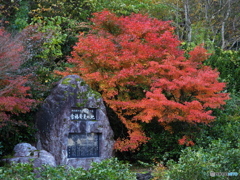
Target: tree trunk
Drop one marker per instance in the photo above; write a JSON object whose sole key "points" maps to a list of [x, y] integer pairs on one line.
{"points": [[187, 21]]}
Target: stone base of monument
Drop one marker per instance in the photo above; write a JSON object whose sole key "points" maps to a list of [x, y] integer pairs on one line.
{"points": [[73, 125]]}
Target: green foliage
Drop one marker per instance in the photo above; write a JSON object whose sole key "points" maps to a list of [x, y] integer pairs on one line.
{"points": [[159, 10], [199, 36], [21, 16], [49, 40], [122, 7], [8, 10], [217, 148], [17, 171], [13, 133], [228, 64], [14, 14], [80, 10], [110, 169], [61, 172], [54, 35], [198, 163], [226, 126], [155, 9], [161, 146]]}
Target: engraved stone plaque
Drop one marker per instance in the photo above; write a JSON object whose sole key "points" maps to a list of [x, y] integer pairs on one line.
{"points": [[87, 114], [73, 125], [83, 145]]}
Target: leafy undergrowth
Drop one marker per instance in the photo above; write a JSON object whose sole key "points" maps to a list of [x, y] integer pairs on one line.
{"points": [[197, 163], [110, 169]]}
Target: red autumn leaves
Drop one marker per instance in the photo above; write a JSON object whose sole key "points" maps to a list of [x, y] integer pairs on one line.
{"points": [[136, 64], [14, 96]]}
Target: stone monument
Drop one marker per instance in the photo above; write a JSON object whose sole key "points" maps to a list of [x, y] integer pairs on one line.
{"points": [[73, 126]]}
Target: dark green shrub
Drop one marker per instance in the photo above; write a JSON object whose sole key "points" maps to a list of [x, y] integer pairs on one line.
{"points": [[226, 126], [21, 19], [216, 150], [162, 146], [228, 64], [14, 133], [62, 172], [111, 169], [17, 171], [197, 163]]}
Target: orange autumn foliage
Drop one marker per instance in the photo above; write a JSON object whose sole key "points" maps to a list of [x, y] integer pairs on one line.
{"points": [[136, 64], [186, 141]]}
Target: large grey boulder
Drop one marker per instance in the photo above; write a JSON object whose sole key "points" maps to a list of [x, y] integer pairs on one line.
{"points": [[67, 135], [26, 153], [24, 150], [44, 158]]}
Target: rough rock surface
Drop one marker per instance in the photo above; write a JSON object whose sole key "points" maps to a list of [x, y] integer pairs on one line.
{"points": [[54, 123], [24, 150], [44, 157], [26, 153]]}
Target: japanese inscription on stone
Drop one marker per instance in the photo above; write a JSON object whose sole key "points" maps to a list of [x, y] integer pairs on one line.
{"points": [[83, 145], [83, 114]]}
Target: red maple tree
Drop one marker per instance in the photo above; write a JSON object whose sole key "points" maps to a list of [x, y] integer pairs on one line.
{"points": [[136, 64], [14, 97]]}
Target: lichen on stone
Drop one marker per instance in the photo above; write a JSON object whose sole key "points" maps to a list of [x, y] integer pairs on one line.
{"points": [[66, 81]]}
